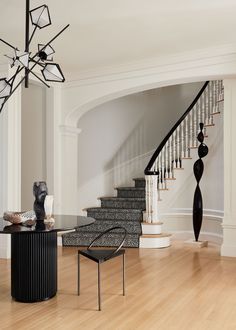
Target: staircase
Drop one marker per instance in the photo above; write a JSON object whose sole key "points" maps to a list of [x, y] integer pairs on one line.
{"points": [[138, 205], [125, 210]]}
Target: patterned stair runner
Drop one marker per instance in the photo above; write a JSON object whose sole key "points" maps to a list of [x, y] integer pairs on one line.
{"points": [[125, 210]]}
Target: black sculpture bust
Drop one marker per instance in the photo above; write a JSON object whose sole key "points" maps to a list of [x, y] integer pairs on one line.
{"points": [[40, 191]]}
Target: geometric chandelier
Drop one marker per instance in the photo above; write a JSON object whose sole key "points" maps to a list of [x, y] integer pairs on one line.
{"points": [[24, 60]]}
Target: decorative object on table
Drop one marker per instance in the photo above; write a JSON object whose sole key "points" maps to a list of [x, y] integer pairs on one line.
{"points": [[25, 60], [17, 218], [48, 205], [40, 191], [198, 169]]}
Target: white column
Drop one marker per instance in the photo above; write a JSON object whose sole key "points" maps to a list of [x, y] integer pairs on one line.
{"points": [[53, 145], [228, 247], [10, 198], [69, 170]]}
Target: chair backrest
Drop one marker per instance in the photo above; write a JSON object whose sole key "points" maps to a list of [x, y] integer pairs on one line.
{"points": [[107, 231]]}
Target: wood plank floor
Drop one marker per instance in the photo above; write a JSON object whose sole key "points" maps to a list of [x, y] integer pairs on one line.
{"points": [[180, 287]]}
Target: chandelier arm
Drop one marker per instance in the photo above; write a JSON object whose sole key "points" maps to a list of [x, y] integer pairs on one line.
{"points": [[7, 98], [5, 42], [57, 35], [15, 74], [39, 78], [31, 37], [32, 60]]}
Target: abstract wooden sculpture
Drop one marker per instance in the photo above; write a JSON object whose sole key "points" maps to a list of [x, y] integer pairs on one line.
{"points": [[198, 169]]}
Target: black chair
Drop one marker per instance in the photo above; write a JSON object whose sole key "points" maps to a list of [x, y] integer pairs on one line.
{"points": [[100, 256]]}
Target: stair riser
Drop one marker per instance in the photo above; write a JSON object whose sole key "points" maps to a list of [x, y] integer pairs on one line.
{"points": [[123, 204], [82, 239], [140, 183], [102, 225], [119, 216], [131, 193]]}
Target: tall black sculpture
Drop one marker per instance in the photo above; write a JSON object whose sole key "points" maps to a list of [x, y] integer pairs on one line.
{"points": [[198, 169], [40, 191]]}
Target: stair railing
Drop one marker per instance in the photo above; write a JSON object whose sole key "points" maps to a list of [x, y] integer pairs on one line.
{"points": [[177, 144]]}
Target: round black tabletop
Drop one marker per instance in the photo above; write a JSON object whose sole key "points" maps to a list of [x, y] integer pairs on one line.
{"points": [[62, 223]]}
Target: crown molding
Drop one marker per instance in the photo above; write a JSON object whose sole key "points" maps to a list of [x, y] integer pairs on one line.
{"points": [[214, 55]]}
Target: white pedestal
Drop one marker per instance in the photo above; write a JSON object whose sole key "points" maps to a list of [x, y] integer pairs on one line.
{"points": [[198, 244]]}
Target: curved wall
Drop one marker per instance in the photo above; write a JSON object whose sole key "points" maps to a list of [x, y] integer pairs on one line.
{"points": [[118, 138]]}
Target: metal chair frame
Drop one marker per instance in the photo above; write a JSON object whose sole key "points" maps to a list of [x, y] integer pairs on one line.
{"points": [[115, 253]]}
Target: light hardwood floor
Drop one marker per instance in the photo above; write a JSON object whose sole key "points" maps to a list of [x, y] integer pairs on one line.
{"points": [[180, 287]]}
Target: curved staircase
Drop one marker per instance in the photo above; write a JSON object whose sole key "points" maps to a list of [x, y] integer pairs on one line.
{"points": [[125, 210], [138, 206]]}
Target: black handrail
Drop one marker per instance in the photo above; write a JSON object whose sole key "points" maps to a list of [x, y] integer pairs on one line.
{"points": [[147, 170]]}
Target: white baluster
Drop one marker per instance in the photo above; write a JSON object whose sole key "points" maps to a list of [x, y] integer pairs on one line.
{"points": [[214, 97], [210, 97], [195, 126], [207, 105], [166, 163], [202, 108], [190, 129], [159, 169], [174, 148], [163, 168], [217, 95], [182, 152], [178, 147], [221, 90], [187, 136], [148, 199], [198, 112], [170, 158]]}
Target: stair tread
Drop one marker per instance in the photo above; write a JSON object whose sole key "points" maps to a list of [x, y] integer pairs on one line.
{"points": [[122, 198], [97, 231], [152, 223], [102, 209], [130, 188], [155, 235]]}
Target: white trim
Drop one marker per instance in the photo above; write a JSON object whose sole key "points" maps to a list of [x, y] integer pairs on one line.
{"points": [[219, 54], [94, 89], [178, 222], [210, 213], [69, 130]]}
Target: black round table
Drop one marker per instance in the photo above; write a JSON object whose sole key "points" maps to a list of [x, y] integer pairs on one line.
{"points": [[34, 256]]}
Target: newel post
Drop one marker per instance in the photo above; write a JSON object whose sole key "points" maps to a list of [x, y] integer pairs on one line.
{"points": [[151, 199]]}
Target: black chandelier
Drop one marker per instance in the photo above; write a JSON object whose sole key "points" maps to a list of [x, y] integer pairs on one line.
{"points": [[24, 60]]}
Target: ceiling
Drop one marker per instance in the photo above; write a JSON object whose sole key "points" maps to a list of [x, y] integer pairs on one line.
{"points": [[107, 33]]}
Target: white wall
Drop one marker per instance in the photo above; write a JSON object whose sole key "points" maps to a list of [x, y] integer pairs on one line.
{"points": [[118, 138], [33, 141]]}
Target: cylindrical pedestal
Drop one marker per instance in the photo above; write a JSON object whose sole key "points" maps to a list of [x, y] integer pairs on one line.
{"points": [[33, 266]]}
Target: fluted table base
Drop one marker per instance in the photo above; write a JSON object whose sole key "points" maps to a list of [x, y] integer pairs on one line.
{"points": [[33, 266]]}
